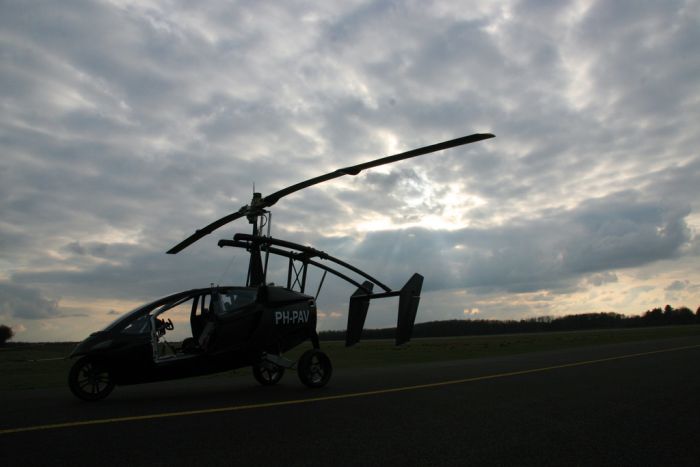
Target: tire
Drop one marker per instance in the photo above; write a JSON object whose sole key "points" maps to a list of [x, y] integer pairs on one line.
{"points": [[90, 380], [314, 368], [267, 373]]}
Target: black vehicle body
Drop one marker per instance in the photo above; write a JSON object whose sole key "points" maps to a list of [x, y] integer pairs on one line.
{"points": [[233, 327], [271, 320]]}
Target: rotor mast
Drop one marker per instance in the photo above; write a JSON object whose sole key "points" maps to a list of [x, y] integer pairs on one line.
{"points": [[258, 217]]}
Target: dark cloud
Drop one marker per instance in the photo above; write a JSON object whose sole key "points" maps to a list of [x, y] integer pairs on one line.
{"points": [[677, 286], [95, 249], [599, 279], [650, 43], [130, 272], [20, 302], [620, 231]]}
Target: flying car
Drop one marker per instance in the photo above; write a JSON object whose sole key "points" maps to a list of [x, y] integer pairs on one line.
{"points": [[221, 328]]}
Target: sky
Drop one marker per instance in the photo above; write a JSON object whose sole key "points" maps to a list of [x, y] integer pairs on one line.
{"points": [[126, 125]]}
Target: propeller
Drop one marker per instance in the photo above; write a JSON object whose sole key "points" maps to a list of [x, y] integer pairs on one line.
{"points": [[259, 203]]}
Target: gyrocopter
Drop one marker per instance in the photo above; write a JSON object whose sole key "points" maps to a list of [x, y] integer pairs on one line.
{"points": [[244, 326]]}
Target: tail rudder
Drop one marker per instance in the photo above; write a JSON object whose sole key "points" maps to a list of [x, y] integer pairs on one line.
{"points": [[409, 297], [359, 304]]}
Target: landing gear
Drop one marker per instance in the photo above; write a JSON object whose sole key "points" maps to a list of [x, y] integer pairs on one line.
{"points": [[90, 380], [267, 373], [314, 368]]}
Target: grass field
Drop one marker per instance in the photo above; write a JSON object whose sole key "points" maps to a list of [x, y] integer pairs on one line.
{"points": [[25, 366]]}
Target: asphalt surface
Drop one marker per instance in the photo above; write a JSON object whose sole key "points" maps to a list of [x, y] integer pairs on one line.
{"points": [[624, 404]]}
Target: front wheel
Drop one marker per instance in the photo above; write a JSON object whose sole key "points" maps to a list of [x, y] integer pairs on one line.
{"points": [[90, 380], [267, 373], [314, 368]]}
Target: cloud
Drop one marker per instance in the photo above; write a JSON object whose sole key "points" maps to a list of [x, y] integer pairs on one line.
{"points": [[132, 272], [623, 231], [550, 253], [599, 279], [677, 286], [22, 302], [128, 125], [553, 252]]}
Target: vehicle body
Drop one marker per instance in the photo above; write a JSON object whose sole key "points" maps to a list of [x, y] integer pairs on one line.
{"points": [[253, 325], [228, 328]]}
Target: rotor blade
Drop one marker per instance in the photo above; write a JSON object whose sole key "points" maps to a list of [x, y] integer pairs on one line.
{"points": [[207, 230], [352, 170], [356, 169]]}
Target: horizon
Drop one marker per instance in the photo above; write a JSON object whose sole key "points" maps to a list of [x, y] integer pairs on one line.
{"points": [[530, 319]]}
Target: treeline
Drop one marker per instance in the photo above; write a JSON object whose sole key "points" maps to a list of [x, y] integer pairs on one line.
{"points": [[586, 321]]}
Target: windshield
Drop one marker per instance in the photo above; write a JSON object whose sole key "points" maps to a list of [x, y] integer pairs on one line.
{"points": [[127, 316], [145, 309]]}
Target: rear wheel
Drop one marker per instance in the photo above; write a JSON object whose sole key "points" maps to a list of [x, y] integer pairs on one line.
{"points": [[314, 368], [90, 380], [267, 373]]}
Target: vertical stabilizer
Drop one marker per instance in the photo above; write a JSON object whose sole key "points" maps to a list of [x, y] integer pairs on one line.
{"points": [[359, 304], [408, 306]]}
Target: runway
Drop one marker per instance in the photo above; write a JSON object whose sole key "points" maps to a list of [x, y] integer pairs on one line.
{"points": [[623, 404]]}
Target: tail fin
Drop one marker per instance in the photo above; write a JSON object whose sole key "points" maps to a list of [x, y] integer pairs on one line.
{"points": [[359, 304], [409, 296], [408, 307]]}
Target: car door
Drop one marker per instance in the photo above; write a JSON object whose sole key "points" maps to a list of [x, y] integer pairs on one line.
{"points": [[237, 316]]}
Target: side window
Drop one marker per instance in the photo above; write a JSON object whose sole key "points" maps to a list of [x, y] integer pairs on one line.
{"points": [[234, 300], [204, 305]]}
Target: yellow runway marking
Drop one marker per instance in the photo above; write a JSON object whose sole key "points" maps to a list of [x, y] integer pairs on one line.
{"points": [[235, 408]]}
